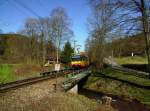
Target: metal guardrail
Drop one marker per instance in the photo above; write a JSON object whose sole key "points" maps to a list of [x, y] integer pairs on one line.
{"points": [[68, 84]]}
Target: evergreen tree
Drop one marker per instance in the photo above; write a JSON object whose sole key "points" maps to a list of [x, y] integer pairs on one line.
{"points": [[67, 52]]}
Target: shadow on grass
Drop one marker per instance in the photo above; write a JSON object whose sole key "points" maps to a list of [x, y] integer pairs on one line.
{"points": [[139, 67]]}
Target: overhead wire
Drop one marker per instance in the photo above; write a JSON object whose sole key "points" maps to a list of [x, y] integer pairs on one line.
{"points": [[27, 8], [24, 6], [15, 6]]}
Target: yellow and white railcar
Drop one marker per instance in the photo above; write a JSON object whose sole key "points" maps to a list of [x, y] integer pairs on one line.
{"points": [[79, 61]]}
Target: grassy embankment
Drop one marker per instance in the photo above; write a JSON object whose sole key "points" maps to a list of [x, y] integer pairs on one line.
{"points": [[99, 82], [131, 60], [64, 102], [12, 72], [117, 88], [53, 102], [108, 72]]}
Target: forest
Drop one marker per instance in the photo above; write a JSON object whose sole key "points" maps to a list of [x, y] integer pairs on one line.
{"points": [[11, 53]]}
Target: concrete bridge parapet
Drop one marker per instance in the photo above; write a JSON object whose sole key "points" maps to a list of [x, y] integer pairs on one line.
{"points": [[73, 84]]}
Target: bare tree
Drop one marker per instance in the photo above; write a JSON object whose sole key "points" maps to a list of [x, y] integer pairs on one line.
{"points": [[31, 28], [100, 25], [134, 18], [43, 37], [37, 31], [59, 27], [43, 31]]}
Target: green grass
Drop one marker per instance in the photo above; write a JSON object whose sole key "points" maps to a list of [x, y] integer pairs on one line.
{"points": [[103, 84], [131, 60], [123, 76], [6, 73], [118, 88], [13, 72]]}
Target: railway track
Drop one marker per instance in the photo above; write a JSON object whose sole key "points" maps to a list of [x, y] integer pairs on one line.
{"points": [[111, 63], [43, 76], [131, 71], [127, 82]]}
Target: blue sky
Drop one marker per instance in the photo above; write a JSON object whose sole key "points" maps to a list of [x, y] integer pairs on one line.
{"points": [[13, 15]]}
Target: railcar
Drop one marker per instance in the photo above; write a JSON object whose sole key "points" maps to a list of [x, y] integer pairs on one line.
{"points": [[79, 61]]}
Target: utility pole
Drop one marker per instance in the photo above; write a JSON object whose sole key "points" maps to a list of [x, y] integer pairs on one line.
{"points": [[146, 31], [57, 64], [57, 59], [74, 42], [78, 47]]}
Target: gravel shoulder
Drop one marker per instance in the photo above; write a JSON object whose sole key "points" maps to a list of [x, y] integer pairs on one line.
{"points": [[42, 97], [20, 98]]}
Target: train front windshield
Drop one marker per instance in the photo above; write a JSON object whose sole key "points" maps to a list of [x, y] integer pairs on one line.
{"points": [[76, 58], [79, 58]]}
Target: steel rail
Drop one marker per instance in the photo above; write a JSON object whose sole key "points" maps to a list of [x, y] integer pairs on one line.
{"points": [[43, 76]]}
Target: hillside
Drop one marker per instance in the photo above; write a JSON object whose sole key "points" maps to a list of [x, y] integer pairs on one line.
{"points": [[15, 48], [125, 46]]}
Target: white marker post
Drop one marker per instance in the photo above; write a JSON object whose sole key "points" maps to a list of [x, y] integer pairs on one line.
{"points": [[132, 54], [57, 68]]}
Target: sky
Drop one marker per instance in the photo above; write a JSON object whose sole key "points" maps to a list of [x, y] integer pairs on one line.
{"points": [[13, 15]]}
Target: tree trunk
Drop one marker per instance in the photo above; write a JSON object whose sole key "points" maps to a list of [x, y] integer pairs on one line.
{"points": [[146, 32]]}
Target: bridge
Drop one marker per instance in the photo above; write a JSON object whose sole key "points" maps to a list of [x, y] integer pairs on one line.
{"points": [[73, 81]]}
